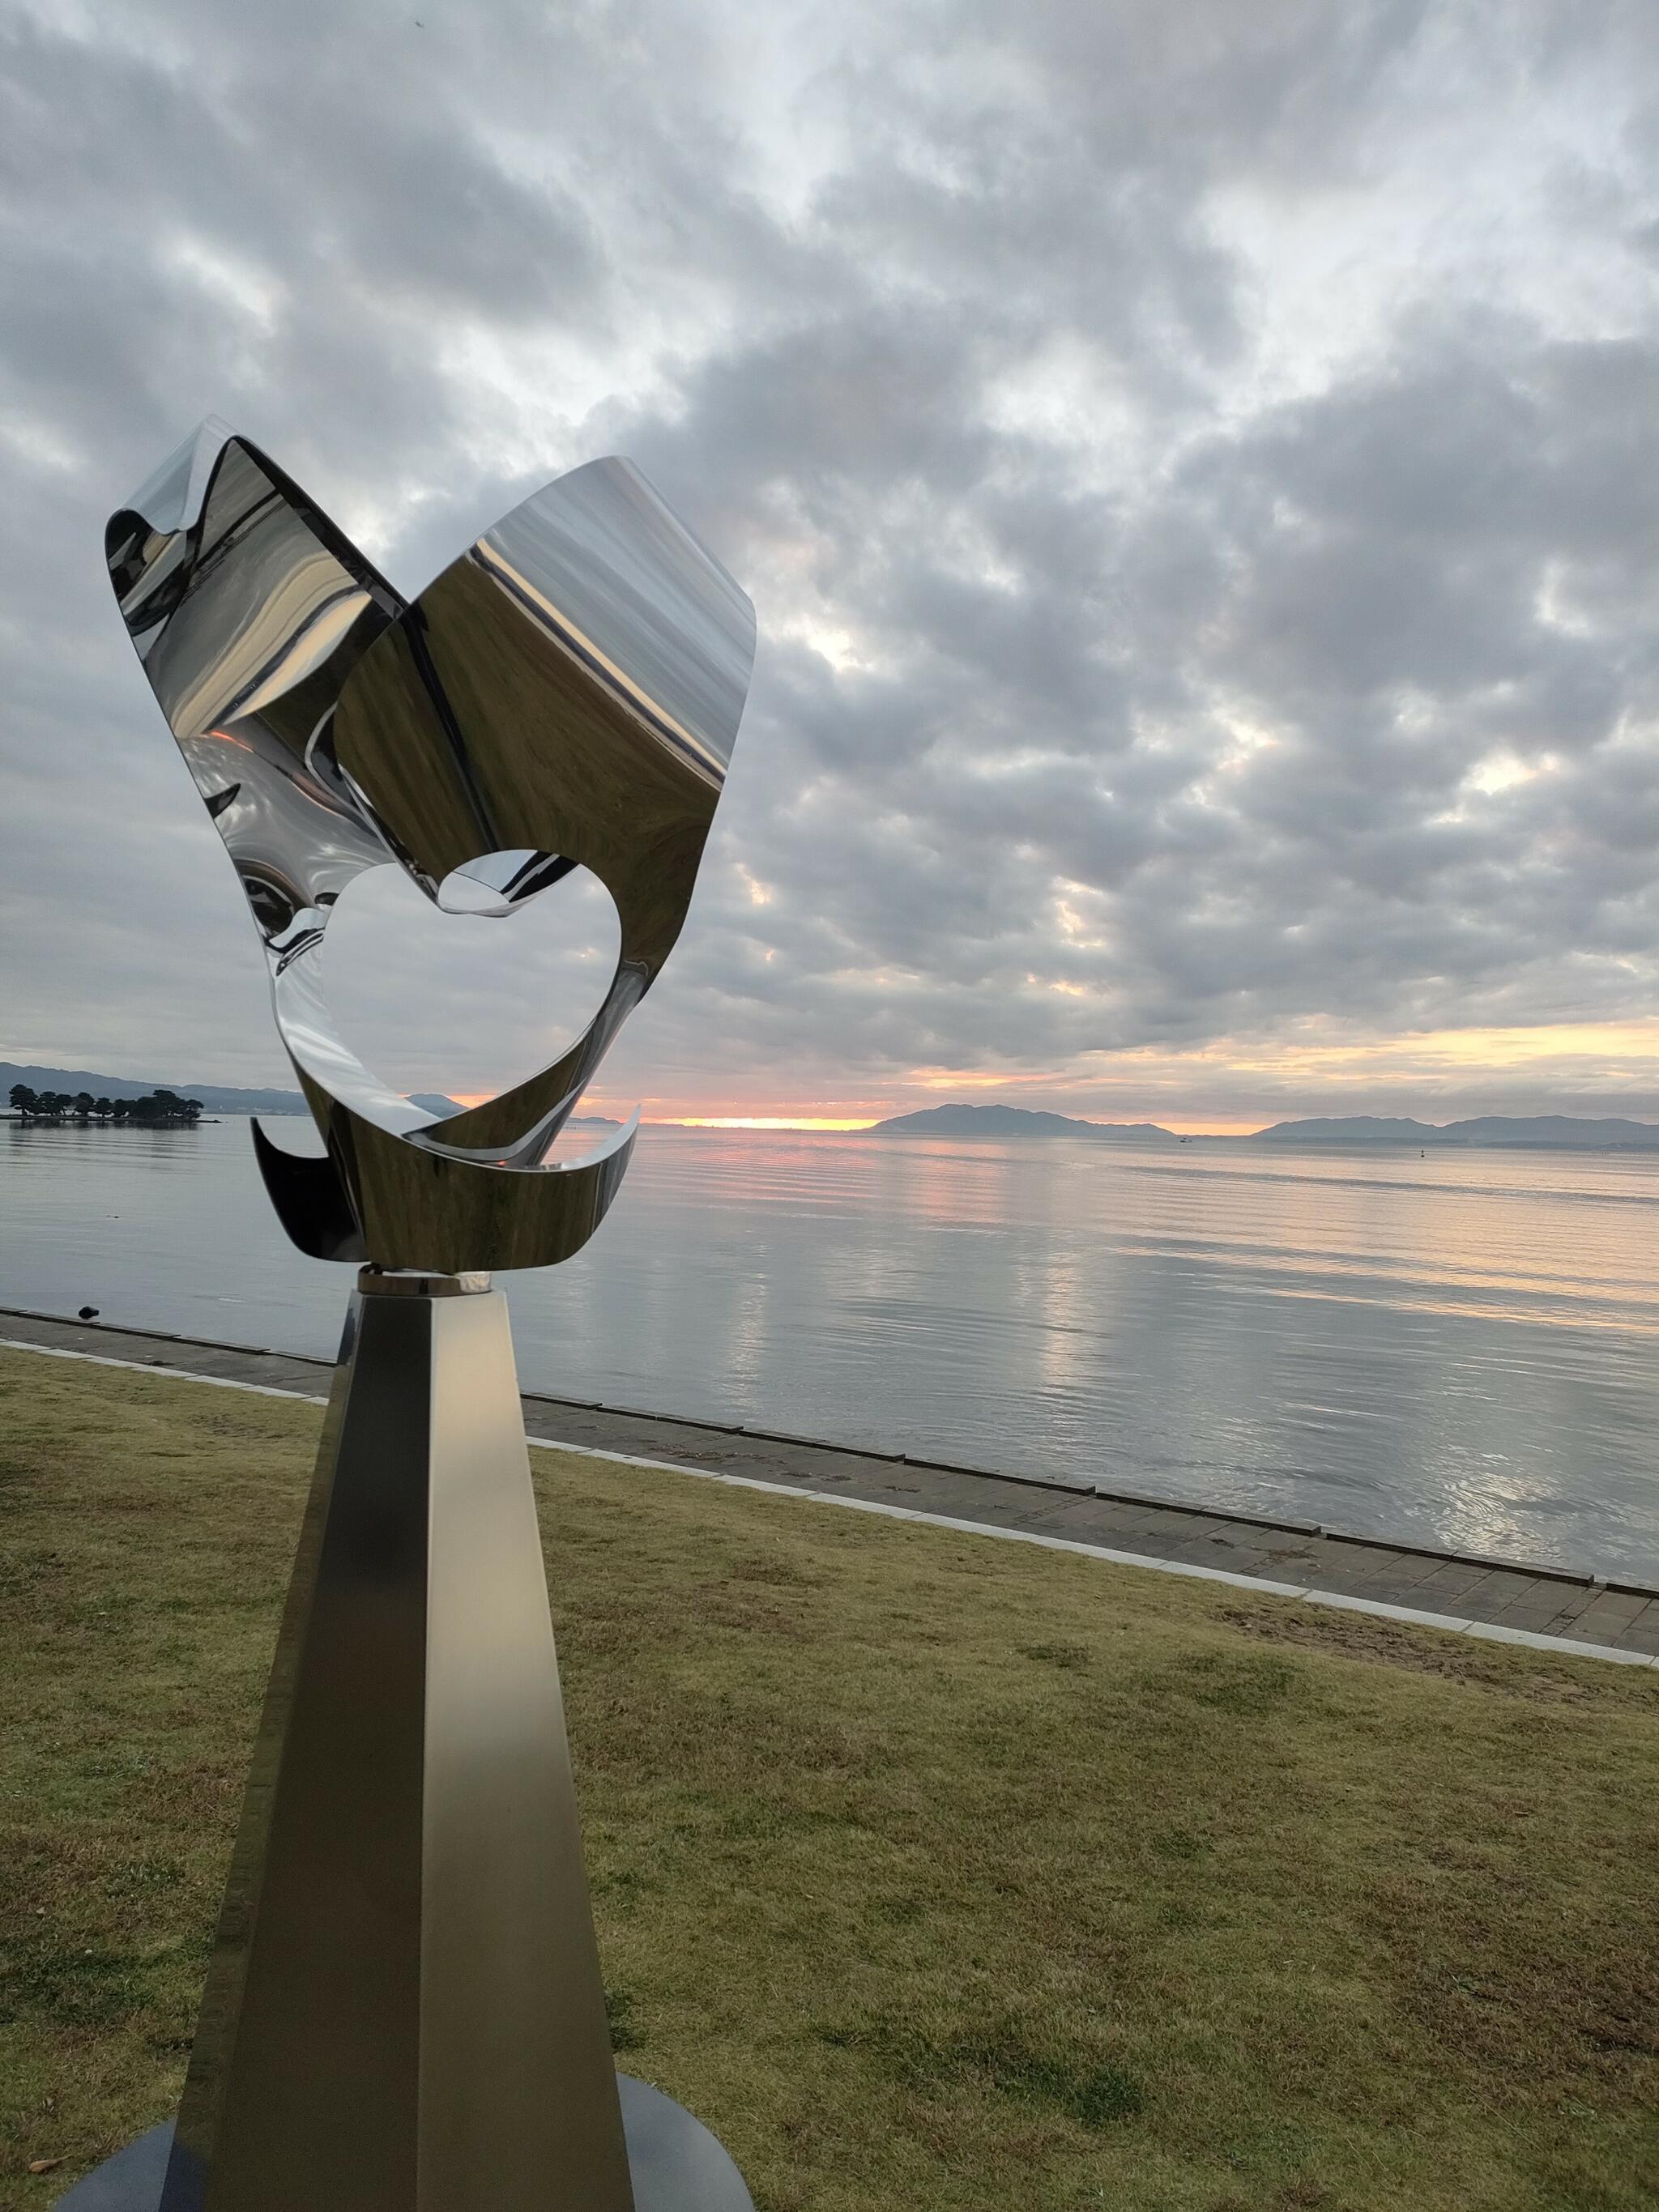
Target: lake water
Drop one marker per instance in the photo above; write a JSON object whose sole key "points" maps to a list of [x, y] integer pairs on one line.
{"points": [[1461, 1349]]}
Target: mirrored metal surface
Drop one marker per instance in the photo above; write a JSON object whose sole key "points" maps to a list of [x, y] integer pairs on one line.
{"points": [[403, 2006], [566, 693]]}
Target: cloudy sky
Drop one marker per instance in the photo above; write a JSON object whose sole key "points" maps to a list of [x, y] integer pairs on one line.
{"points": [[1193, 464]]}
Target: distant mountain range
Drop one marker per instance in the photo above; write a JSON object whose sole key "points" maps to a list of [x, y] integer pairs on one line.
{"points": [[1017, 1122], [1554, 1131], [216, 1098]]}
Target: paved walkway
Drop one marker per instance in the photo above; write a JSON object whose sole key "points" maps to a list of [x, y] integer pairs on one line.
{"points": [[1440, 1588]]}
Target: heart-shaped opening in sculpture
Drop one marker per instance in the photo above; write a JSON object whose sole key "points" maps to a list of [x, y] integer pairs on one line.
{"points": [[438, 1006]]}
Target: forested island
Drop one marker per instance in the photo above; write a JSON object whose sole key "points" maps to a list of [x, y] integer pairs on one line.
{"points": [[157, 1110]]}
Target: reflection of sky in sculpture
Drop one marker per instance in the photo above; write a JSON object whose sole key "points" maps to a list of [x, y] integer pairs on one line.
{"points": [[690, 661]]}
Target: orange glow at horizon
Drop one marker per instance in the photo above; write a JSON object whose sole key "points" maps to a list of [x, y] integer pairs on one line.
{"points": [[766, 1122], [1314, 1068], [1214, 1125]]}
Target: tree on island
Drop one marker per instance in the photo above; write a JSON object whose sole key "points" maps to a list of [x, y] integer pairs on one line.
{"points": [[158, 1109]]}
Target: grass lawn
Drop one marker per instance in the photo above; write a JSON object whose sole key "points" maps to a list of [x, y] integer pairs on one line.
{"points": [[935, 1873]]}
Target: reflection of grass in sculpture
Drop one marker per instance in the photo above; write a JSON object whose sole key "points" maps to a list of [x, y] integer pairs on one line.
{"points": [[933, 1872]]}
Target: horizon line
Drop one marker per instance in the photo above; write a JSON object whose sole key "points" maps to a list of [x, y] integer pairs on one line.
{"points": [[1221, 1127]]}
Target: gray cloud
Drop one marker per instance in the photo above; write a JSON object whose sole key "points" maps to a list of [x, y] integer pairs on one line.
{"points": [[1194, 466]]}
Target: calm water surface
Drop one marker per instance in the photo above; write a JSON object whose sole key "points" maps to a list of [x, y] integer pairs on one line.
{"points": [[1459, 1349]]}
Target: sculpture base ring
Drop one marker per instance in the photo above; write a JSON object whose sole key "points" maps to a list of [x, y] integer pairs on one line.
{"points": [[673, 2162]]}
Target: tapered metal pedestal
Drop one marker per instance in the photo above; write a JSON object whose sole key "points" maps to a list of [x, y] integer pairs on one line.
{"points": [[404, 2012]]}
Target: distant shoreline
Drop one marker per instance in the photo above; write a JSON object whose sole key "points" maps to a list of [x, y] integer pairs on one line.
{"points": [[996, 1122], [94, 1121], [1252, 1137], [1323, 1147], [1348, 1133]]}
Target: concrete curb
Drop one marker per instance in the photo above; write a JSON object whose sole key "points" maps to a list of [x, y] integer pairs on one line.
{"points": [[1071, 1487], [1488, 1631]]}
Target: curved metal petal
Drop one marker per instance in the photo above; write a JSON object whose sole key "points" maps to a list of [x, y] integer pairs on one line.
{"points": [[310, 1199], [571, 685]]}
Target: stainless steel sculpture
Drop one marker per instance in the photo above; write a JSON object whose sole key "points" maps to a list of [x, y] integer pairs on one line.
{"points": [[405, 2007]]}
